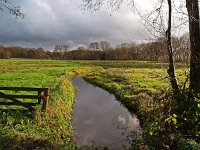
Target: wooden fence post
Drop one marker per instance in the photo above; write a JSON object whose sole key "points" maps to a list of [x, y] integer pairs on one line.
{"points": [[45, 100], [39, 96]]}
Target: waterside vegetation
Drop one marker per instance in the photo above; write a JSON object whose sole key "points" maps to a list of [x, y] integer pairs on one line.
{"points": [[166, 123]]}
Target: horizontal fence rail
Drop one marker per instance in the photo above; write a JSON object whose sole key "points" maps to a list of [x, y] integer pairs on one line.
{"points": [[23, 88], [42, 95]]}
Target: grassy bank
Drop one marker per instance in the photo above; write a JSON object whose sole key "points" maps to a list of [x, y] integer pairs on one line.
{"points": [[20, 129], [146, 91]]}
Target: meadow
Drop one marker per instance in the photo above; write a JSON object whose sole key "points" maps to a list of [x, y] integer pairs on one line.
{"points": [[142, 86]]}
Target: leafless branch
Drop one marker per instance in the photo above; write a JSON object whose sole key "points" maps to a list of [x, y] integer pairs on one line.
{"points": [[13, 10]]}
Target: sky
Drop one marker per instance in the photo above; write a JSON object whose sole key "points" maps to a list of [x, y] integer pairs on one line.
{"points": [[50, 22]]}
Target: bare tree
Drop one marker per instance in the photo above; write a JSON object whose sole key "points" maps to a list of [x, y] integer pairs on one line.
{"points": [[94, 46], [171, 69], [61, 48], [181, 48], [194, 32], [82, 48], [158, 26], [104, 45], [13, 10]]}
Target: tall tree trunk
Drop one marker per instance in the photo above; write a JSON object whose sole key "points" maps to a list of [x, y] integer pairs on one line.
{"points": [[193, 14], [171, 69]]}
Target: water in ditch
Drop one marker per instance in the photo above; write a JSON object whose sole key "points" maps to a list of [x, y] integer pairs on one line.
{"points": [[99, 118]]}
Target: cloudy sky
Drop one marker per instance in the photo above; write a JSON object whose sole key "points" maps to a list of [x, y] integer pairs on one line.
{"points": [[50, 22]]}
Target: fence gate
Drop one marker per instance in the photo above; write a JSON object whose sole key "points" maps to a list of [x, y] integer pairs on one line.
{"points": [[42, 95]]}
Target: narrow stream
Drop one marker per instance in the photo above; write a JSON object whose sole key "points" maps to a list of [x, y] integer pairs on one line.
{"points": [[99, 117]]}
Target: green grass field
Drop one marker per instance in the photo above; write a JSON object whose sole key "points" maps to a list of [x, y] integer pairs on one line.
{"points": [[137, 84], [20, 128], [36, 73]]}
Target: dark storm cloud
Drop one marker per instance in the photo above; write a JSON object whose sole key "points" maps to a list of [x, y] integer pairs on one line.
{"points": [[50, 22]]}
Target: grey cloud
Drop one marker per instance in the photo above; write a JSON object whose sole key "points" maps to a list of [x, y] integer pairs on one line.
{"points": [[50, 22]]}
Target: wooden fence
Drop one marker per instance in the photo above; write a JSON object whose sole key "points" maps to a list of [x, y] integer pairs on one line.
{"points": [[42, 95]]}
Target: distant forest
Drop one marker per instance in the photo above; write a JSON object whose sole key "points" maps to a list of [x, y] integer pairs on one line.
{"points": [[151, 51]]}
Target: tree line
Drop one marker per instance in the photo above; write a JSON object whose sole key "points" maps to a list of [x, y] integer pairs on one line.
{"points": [[19, 52], [151, 51]]}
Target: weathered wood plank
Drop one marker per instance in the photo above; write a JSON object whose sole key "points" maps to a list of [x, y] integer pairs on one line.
{"points": [[12, 103], [23, 89], [20, 96], [16, 101]]}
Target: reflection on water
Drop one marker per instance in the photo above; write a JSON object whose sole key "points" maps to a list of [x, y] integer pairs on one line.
{"points": [[99, 118]]}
